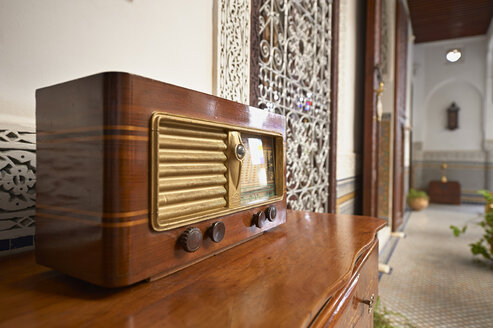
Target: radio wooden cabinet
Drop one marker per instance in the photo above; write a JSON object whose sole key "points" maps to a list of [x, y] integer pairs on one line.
{"points": [[137, 178], [316, 270]]}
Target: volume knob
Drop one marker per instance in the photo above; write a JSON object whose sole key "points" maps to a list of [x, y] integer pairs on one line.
{"points": [[191, 239], [259, 219], [217, 231], [271, 213]]}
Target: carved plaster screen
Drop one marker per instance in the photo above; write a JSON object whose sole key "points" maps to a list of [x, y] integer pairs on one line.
{"points": [[17, 190], [292, 42], [294, 80], [232, 39]]}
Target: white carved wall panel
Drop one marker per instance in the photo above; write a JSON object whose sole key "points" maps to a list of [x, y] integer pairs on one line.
{"points": [[17, 189], [232, 61], [295, 81]]}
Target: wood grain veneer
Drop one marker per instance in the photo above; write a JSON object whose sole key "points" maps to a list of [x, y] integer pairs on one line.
{"points": [[449, 19], [371, 126], [334, 106], [400, 97], [283, 279], [347, 308], [93, 171]]}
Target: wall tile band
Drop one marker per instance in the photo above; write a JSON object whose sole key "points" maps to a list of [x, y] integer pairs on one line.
{"points": [[348, 195], [472, 176]]}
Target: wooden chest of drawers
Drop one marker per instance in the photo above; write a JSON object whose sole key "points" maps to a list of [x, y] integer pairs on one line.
{"points": [[352, 306], [444, 193], [317, 270]]}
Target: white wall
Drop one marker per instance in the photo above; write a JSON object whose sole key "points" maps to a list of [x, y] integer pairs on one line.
{"points": [[388, 70], [488, 97], [419, 92], [350, 88], [52, 41], [409, 95], [438, 83]]}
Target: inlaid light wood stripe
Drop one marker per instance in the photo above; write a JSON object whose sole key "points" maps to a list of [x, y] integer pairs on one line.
{"points": [[166, 212], [171, 197], [88, 222], [170, 141], [175, 169], [178, 155], [96, 128], [92, 213], [111, 137], [191, 182]]}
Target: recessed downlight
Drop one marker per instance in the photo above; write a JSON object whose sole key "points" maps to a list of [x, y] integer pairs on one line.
{"points": [[453, 55]]}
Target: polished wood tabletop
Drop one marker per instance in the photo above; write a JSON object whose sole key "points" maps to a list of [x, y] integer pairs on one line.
{"points": [[279, 279]]}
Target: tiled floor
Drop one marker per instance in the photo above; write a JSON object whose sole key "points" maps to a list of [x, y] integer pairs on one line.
{"points": [[435, 282]]}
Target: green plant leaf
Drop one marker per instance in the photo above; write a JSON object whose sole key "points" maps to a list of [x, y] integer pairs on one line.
{"points": [[382, 317], [479, 249], [488, 196], [488, 219], [456, 230]]}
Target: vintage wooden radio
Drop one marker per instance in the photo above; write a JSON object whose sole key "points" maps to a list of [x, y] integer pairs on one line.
{"points": [[137, 179]]}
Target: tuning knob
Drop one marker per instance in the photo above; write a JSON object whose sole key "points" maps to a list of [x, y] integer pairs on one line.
{"points": [[217, 231], [271, 213], [240, 151], [259, 219], [191, 239]]}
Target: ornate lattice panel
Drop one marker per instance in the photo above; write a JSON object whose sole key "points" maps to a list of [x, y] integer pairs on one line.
{"points": [[294, 66], [232, 38], [17, 189]]}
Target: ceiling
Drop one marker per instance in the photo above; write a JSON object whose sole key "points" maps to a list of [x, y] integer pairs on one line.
{"points": [[434, 20]]}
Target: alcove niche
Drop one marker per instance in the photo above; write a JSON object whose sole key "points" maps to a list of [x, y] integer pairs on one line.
{"points": [[469, 134]]}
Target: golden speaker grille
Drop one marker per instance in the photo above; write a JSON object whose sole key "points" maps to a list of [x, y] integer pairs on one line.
{"points": [[191, 171], [195, 174]]}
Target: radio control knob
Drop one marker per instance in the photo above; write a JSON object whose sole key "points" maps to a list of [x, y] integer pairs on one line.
{"points": [[191, 239], [259, 219], [271, 213], [217, 231], [240, 151]]}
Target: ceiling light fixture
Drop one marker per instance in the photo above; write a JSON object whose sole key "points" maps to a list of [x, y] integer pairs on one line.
{"points": [[453, 55]]}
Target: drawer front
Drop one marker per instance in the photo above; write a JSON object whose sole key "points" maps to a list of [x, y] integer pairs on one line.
{"points": [[357, 310]]}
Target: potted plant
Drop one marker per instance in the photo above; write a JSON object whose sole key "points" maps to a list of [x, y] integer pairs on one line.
{"points": [[488, 197], [417, 199], [484, 246]]}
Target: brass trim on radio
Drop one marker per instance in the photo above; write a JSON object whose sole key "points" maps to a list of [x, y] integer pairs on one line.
{"points": [[210, 153]]}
